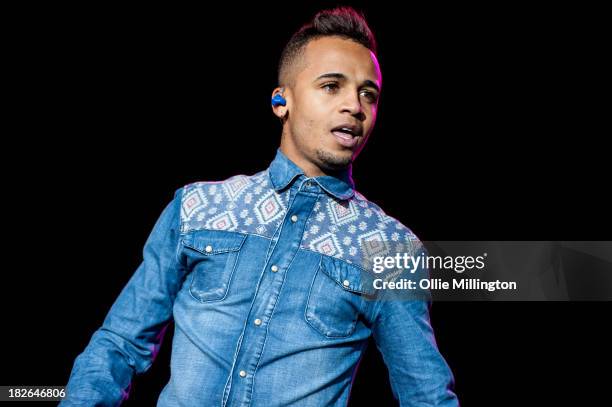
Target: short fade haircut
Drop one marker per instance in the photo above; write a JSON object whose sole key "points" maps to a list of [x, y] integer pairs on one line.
{"points": [[342, 22]]}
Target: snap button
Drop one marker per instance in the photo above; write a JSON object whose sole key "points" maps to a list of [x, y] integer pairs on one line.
{"points": [[294, 218], [257, 322], [274, 268], [208, 249], [242, 373], [346, 283]]}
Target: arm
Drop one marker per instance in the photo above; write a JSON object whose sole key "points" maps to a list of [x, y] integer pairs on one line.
{"points": [[418, 373], [402, 331], [131, 334]]}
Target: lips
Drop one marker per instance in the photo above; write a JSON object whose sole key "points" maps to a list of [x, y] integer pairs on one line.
{"points": [[347, 134]]}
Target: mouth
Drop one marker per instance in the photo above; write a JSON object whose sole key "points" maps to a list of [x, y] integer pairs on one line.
{"points": [[347, 134]]}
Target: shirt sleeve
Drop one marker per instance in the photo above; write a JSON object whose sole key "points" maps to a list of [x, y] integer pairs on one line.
{"points": [[418, 373], [133, 329]]}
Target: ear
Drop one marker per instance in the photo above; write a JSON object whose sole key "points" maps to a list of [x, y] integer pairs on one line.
{"points": [[278, 110]]}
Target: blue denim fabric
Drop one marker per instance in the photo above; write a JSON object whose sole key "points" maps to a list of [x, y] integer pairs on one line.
{"points": [[262, 277]]}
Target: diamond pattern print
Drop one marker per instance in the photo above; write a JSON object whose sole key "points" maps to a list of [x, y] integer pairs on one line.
{"points": [[327, 245], [269, 208], [193, 201], [234, 187], [353, 230], [342, 212], [223, 221], [373, 243]]}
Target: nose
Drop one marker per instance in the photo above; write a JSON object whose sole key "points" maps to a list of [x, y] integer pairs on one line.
{"points": [[352, 104]]}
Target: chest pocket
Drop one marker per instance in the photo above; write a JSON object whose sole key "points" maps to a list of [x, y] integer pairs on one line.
{"points": [[211, 257], [336, 298]]}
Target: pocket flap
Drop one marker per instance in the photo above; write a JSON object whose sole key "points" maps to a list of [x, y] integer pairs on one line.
{"points": [[348, 277], [210, 242]]}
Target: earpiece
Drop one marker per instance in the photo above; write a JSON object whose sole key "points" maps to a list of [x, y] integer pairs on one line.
{"points": [[278, 100]]}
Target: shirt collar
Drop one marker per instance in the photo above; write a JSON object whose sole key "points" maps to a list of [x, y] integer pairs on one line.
{"points": [[283, 172]]}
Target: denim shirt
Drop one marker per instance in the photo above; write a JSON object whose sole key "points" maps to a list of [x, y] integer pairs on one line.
{"points": [[262, 277]]}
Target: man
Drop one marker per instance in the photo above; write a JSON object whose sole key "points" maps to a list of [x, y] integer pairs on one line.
{"points": [[263, 274]]}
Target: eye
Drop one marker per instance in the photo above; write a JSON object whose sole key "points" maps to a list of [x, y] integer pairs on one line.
{"points": [[330, 87], [370, 96]]}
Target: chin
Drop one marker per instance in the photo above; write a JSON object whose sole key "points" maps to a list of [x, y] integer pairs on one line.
{"points": [[334, 160]]}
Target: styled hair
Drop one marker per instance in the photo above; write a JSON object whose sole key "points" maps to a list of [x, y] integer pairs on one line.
{"points": [[342, 22]]}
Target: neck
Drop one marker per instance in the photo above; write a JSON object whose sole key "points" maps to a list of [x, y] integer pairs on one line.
{"points": [[309, 168]]}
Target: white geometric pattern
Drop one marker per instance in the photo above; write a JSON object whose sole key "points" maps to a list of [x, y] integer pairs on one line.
{"points": [[235, 187], [342, 212], [373, 243], [223, 221], [193, 201], [327, 245], [353, 230], [269, 208], [363, 231]]}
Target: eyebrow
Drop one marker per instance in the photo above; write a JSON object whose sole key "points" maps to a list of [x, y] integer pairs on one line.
{"points": [[341, 76]]}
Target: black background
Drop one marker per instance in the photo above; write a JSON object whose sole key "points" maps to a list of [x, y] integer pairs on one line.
{"points": [[490, 127]]}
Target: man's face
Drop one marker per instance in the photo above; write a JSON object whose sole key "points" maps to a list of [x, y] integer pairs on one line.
{"points": [[331, 103]]}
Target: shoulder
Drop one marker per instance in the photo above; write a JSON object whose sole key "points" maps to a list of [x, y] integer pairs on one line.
{"points": [[388, 226], [356, 230], [202, 198]]}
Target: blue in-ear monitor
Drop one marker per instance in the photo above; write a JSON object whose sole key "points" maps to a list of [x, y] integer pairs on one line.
{"points": [[278, 100]]}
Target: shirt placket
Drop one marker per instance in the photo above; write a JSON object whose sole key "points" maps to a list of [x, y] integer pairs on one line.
{"points": [[284, 247]]}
